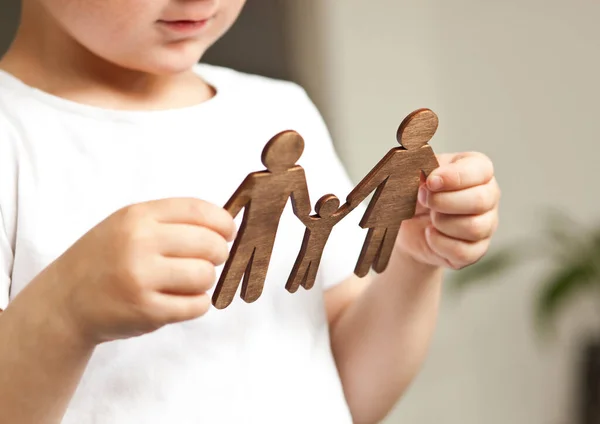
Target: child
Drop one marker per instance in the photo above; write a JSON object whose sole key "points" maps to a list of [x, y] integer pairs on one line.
{"points": [[117, 153], [318, 230]]}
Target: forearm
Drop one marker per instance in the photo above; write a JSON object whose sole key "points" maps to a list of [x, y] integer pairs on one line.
{"points": [[381, 339], [41, 359]]}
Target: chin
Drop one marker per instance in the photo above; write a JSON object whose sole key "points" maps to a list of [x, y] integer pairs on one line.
{"points": [[166, 69], [169, 62]]}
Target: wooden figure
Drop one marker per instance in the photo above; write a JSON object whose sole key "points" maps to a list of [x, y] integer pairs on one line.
{"points": [[395, 180], [264, 195], [318, 230]]}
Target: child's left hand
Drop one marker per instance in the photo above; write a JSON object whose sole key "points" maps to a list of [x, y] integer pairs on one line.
{"points": [[457, 213]]}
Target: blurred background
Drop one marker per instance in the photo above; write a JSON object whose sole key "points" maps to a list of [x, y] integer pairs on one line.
{"points": [[516, 80]]}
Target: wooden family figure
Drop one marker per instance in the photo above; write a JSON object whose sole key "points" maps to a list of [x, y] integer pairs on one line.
{"points": [[395, 182]]}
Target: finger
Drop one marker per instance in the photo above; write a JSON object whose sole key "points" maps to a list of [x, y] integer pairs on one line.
{"points": [[170, 309], [195, 212], [421, 209], [472, 201], [463, 171], [457, 253], [188, 241], [183, 276], [466, 227]]}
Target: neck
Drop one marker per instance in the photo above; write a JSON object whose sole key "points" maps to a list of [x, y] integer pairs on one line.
{"points": [[44, 56]]}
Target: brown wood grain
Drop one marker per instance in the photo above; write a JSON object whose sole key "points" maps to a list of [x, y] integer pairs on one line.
{"points": [[395, 181], [318, 230], [263, 195]]}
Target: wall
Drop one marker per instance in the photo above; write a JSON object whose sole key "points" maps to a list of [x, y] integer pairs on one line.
{"points": [[9, 13], [261, 23], [516, 80]]}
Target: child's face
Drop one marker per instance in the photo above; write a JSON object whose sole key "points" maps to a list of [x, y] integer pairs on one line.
{"points": [[156, 36]]}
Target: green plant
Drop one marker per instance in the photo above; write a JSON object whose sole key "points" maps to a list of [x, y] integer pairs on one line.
{"points": [[572, 250]]}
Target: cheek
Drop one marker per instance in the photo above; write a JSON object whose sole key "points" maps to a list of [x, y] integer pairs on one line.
{"points": [[124, 31], [115, 24]]}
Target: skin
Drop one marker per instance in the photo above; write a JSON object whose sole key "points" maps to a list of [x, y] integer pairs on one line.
{"points": [[391, 316], [115, 54]]}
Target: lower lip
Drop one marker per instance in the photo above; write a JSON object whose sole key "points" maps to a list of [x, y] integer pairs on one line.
{"points": [[184, 27]]}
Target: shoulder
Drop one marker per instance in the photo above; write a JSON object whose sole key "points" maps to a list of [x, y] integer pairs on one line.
{"points": [[249, 84], [276, 104], [10, 152], [15, 108], [8, 136], [269, 106], [10, 159], [282, 100]]}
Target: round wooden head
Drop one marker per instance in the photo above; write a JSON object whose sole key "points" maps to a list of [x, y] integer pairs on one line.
{"points": [[283, 151], [327, 205], [417, 129]]}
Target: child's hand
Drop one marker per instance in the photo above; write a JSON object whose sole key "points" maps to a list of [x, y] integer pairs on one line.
{"points": [[143, 267], [457, 213]]}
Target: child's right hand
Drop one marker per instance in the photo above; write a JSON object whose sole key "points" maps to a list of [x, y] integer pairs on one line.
{"points": [[143, 267]]}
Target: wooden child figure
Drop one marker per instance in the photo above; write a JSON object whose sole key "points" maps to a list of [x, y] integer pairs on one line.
{"points": [[264, 195], [395, 180], [318, 230]]}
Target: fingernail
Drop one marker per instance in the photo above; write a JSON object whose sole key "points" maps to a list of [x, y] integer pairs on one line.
{"points": [[435, 182], [423, 193]]}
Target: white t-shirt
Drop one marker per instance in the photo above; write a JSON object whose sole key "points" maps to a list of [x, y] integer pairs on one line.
{"points": [[64, 167]]}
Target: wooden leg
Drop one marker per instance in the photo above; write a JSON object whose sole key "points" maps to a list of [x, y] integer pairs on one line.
{"points": [[369, 251], [256, 273], [387, 246], [237, 264], [311, 276], [298, 275]]}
